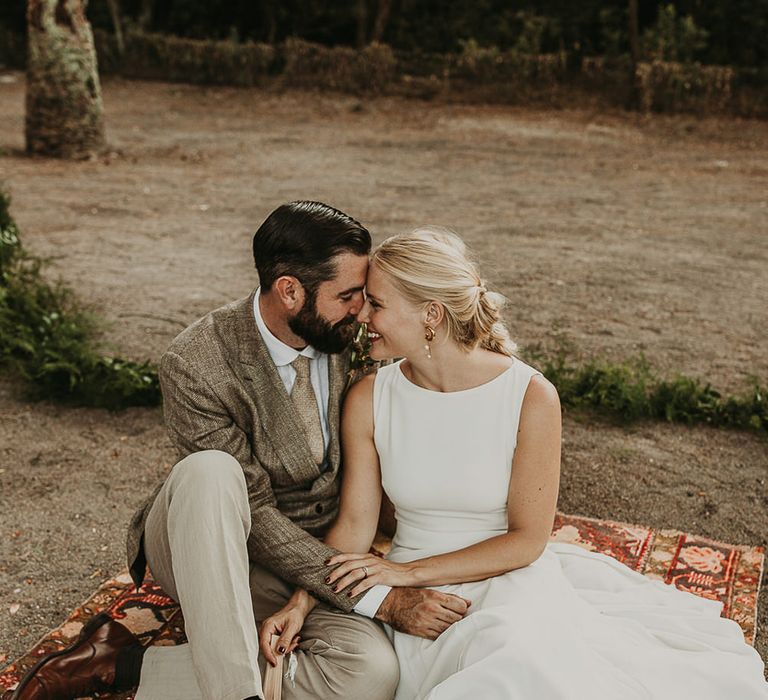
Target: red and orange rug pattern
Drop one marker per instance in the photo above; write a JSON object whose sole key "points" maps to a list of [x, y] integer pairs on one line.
{"points": [[716, 570]]}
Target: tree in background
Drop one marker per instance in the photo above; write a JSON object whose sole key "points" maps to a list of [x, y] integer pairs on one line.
{"points": [[64, 115], [371, 31], [674, 38], [634, 34], [633, 31], [736, 29]]}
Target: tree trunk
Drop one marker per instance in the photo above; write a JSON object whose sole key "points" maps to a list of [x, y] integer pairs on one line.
{"points": [[145, 15], [269, 17], [634, 34], [63, 112], [382, 17], [117, 23], [361, 11], [634, 53]]}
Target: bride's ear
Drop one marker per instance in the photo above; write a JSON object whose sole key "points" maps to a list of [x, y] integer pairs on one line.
{"points": [[435, 314]]}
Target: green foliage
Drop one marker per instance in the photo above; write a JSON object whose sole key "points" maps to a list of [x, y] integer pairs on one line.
{"points": [[360, 362], [360, 358], [484, 63], [173, 58], [479, 72], [630, 391], [613, 35], [513, 74], [685, 87], [549, 53], [674, 38], [530, 38], [47, 339], [298, 63], [735, 30]]}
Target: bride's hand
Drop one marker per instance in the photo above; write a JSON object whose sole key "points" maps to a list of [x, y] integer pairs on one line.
{"points": [[366, 571]]}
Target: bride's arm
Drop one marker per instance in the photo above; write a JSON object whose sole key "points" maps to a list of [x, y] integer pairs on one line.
{"points": [[355, 526], [421, 612], [360, 502], [531, 507], [418, 611]]}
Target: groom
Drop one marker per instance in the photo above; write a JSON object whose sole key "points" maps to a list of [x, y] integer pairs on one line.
{"points": [[252, 395]]}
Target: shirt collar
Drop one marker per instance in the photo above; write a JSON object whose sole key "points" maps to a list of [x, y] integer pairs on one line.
{"points": [[280, 353]]}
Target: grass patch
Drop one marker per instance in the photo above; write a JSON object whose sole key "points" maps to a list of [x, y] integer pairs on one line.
{"points": [[630, 391], [49, 340]]}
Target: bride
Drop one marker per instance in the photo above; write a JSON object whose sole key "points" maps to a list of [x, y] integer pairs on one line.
{"points": [[464, 439]]}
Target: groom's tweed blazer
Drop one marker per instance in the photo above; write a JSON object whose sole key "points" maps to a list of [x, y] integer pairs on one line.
{"points": [[221, 390]]}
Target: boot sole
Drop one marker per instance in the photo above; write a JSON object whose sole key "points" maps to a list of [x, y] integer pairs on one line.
{"points": [[88, 629]]}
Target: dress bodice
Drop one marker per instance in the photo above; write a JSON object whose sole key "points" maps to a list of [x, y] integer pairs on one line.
{"points": [[446, 458]]}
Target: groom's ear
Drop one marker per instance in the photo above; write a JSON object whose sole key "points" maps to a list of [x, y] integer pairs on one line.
{"points": [[290, 292], [435, 314]]}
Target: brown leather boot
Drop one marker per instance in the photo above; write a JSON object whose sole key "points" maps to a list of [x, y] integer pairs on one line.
{"points": [[83, 668]]}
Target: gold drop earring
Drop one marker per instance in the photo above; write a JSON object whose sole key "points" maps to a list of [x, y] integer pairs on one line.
{"points": [[429, 336]]}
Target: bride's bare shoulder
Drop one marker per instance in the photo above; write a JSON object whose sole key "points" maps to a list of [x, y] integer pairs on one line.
{"points": [[361, 390], [541, 395], [357, 413]]}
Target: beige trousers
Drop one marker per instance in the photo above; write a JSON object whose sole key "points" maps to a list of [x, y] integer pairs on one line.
{"points": [[195, 543]]}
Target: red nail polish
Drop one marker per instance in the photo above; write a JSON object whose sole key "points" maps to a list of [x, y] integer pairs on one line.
{"points": [[327, 579]]}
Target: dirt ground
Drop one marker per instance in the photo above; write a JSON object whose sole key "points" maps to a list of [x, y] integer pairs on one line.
{"points": [[628, 234]]}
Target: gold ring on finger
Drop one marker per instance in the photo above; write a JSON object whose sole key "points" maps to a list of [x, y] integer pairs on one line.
{"points": [[365, 572]]}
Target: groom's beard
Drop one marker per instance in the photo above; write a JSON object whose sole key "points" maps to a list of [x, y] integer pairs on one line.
{"points": [[318, 333]]}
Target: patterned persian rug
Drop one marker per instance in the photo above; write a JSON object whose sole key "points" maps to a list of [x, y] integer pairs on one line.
{"points": [[725, 572]]}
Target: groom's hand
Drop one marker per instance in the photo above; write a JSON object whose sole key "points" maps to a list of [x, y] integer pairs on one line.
{"points": [[421, 611]]}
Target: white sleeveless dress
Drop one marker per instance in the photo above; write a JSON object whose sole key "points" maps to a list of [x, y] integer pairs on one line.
{"points": [[574, 624]]}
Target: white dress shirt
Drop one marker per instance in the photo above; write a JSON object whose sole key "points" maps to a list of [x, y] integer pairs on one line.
{"points": [[282, 355]]}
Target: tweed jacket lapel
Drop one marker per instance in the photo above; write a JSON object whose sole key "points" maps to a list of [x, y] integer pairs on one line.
{"points": [[276, 413]]}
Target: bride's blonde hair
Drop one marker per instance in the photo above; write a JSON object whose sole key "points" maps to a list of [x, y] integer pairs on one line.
{"points": [[431, 264]]}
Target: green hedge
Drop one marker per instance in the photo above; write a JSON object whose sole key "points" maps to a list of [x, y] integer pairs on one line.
{"points": [[160, 57], [476, 74], [685, 87], [295, 63], [631, 391], [368, 70]]}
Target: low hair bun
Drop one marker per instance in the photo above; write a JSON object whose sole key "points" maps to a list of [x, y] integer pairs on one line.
{"points": [[498, 300], [431, 264]]}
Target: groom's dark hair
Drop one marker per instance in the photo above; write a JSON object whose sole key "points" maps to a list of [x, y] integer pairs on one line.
{"points": [[301, 239]]}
